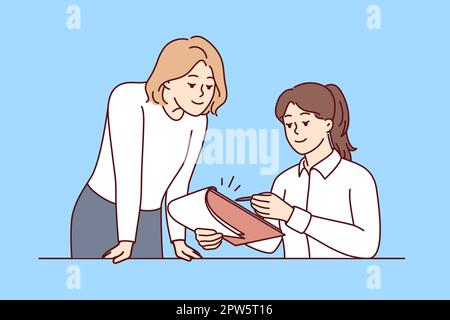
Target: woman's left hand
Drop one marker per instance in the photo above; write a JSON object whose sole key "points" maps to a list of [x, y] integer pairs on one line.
{"points": [[183, 251], [120, 253], [269, 205]]}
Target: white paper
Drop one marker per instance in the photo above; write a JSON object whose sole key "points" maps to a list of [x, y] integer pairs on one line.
{"points": [[192, 212]]}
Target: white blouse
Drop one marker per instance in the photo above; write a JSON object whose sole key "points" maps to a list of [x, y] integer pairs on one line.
{"points": [[144, 156], [336, 211]]}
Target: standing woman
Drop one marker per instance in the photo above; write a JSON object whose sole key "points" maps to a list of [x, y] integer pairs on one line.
{"points": [[152, 139]]}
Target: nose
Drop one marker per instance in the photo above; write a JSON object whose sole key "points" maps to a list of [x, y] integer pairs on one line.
{"points": [[296, 128], [202, 92]]}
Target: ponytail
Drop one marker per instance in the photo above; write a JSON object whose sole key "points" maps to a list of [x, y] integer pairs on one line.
{"points": [[341, 120]]}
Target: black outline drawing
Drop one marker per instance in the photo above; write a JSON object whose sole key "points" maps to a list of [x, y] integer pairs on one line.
{"points": [[339, 142], [342, 122], [210, 56]]}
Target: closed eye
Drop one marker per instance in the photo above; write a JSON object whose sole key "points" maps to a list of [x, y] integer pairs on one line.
{"points": [[305, 123], [192, 85], [289, 125], [209, 87]]}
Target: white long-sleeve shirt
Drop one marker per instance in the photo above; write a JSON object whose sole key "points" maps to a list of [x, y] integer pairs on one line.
{"points": [[336, 211], [144, 156]]}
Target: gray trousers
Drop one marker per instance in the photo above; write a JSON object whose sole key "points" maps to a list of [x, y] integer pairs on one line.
{"points": [[94, 228]]}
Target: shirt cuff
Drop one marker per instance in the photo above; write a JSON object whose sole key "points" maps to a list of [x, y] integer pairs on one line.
{"points": [[179, 234], [127, 225], [299, 220], [127, 237]]}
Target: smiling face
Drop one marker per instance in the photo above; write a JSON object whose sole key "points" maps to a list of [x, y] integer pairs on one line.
{"points": [[193, 92], [304, 131]]}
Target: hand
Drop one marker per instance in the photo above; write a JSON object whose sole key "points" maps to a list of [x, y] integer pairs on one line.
{"points": [[208, 239], [269, 205], [183, 251], [120, 253]]}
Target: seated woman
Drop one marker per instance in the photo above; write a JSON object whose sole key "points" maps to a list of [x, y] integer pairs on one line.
{"points": [[327, 205]]}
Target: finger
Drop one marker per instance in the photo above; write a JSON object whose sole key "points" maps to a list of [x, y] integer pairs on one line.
{"points": [[121, 257], [210, 243], [261, 197], [212, 247], [106, 254], [261, 209], [210, 239], [261, 204], [205, 232], [114, 252], [265, 215], [183, 256], [192, 253], [213, 237]]}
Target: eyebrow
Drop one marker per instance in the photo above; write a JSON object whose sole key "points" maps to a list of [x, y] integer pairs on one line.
{"points": [[287, 115], [210, 78], [193, 75], [305, 113]]}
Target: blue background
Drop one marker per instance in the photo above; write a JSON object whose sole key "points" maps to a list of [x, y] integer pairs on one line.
{"points": [[54, 87]]}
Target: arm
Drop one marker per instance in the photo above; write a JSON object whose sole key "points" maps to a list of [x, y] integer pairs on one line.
{"points": [[360, 239], [180, 187], [126, 128]]}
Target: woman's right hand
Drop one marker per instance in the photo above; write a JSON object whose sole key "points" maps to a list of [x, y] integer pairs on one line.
{"points": [[208, 239], [121, 252]]}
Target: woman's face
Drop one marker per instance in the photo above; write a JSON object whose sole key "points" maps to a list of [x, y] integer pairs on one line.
{"points": [[193, 92], [304, 131]]}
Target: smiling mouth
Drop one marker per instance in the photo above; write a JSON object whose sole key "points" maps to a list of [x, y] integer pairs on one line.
{"points": [[197, 103], [300, 141]]}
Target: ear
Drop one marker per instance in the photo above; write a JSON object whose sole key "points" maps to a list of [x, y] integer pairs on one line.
{"points": [[167, 85], [329, 124]]}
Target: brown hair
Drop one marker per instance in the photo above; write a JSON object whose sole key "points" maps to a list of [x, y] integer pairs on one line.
{"points": [[326, 102], [177, 59]]}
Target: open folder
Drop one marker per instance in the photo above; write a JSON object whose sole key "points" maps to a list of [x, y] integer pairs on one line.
{"points": [[209, 209]]}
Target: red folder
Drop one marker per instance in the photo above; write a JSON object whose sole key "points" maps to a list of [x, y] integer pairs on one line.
{"points": [[251, 226]]}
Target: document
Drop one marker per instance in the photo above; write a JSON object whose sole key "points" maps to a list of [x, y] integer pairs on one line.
{"points": [[209, 209]]}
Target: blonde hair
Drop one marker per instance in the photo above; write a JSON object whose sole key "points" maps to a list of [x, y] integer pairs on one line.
{"points": [[177, 59]]}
